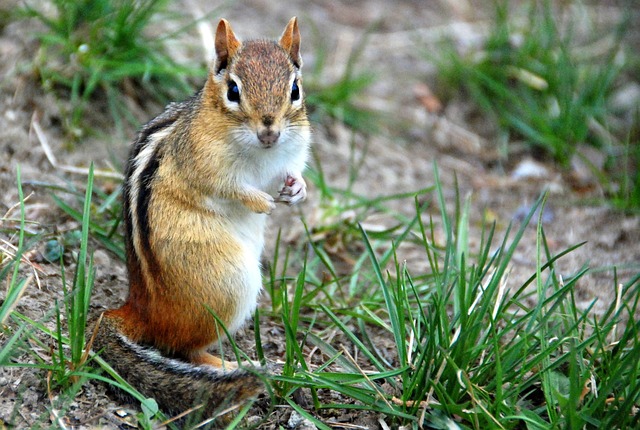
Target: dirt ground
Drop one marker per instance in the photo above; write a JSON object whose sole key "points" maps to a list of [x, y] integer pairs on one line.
{"points": [[398, 159]]}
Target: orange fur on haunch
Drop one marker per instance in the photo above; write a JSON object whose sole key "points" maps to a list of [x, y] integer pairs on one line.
{"points": [[200, 181]]}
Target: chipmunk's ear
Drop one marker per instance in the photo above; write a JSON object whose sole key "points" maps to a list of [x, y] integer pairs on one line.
{"points": [[226, 45], [290, 41]]}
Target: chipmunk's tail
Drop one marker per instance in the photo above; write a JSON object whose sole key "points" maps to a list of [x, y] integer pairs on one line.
{"points": [[176, 385]]}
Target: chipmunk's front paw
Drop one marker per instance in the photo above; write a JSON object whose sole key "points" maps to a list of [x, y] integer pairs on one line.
{"points": [[261, 203], [294, 190]]}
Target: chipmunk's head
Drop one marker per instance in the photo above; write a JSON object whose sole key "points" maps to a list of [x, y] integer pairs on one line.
{"points": [[259, 87]]}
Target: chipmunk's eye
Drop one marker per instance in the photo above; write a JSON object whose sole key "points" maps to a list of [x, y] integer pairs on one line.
{"points": [[295, 92], [233, 92]]}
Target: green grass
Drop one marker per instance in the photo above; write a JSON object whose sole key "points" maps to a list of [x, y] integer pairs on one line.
{"points": [[94, 50], [543, 81], [542, 88], [104, 222], [455, 346], [471, 351], [623, 184], [71, 364], [16, 284], [338, 100]]}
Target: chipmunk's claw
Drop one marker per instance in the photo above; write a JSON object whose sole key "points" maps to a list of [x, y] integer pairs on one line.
{"points": [[294, 190]]}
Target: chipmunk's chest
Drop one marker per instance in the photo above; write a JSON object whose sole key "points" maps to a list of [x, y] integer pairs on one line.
{"points": [[244, 226], [266, 168]]}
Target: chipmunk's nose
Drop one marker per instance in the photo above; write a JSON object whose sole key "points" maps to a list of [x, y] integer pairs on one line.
{"points": [[268, 132], [268, 136]]}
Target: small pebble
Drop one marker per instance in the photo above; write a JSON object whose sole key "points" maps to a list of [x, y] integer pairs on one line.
{"points": [[298, 422]]}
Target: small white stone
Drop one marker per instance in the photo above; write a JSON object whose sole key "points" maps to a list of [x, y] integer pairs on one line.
{"points": [[529, 169], [298, 422]]}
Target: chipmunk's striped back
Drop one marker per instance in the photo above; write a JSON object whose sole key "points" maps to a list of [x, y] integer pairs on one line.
{"points": [[142, 166]]}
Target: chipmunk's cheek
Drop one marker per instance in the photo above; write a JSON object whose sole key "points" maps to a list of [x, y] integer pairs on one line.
{"points": [[244, 138]]}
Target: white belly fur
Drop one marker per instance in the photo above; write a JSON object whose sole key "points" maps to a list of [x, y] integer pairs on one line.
{"points": [[247, 229]]}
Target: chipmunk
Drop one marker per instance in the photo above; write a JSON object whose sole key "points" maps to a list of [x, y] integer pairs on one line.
{"points": [[197, 191]]}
